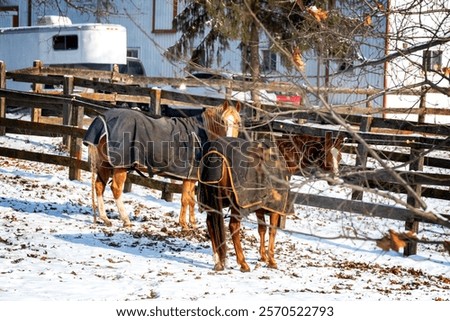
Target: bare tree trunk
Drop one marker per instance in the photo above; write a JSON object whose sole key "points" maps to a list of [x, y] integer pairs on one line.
{"points": [[254, 64]]}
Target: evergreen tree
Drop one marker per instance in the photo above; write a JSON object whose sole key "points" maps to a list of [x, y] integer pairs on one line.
{"points": [[293, 26]]}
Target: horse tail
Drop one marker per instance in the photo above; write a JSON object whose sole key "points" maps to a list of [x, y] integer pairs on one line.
{"points": [[209, 198], [93, 158], [218, 220], [219, 236]]}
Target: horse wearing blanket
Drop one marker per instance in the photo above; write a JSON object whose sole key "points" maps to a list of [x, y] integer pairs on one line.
{"points": [[246, 176], [122, 140]]}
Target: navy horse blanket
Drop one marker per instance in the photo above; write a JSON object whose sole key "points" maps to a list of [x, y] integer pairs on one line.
{"points": [[259, 175], [165, 146]]}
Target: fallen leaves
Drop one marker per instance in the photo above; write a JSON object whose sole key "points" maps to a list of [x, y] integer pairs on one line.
{"points": [[5, 241], [111, 260], [344, 276]]}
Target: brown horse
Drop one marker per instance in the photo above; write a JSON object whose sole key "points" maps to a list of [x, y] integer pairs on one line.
{"points": [[122, 140], [254, 177], [305, 154], [246, 177]]}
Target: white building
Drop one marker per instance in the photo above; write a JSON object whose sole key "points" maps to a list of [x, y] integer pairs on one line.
{"points": [[150, 32]]}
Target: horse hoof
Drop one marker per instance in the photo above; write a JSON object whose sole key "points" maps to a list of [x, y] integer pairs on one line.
{"points": [[245, 268], [272, 265], [219, 267], [108, 223], [127, 225]]}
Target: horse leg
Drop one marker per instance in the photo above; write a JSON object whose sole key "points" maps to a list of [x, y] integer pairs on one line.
{"points": [[235, 229], [184, 204], [274, 220], [192, 205], [103, 174], [262, 228], [119, 178], [187, 200]]}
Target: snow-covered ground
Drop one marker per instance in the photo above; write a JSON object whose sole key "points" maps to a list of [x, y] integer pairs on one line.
{"points": [[50, 250]]}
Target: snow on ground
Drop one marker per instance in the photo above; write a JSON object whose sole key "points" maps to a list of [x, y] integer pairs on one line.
{"points": [[51, 250]]}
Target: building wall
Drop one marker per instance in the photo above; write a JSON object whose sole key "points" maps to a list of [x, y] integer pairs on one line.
{"points": [[137, 16]]}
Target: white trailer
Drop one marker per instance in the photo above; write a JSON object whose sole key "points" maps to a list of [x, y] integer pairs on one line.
{"points": [[57, 42]]}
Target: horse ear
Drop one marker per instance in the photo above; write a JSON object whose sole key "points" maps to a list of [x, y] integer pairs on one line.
{"points": [[225, 105], [238, 106]]}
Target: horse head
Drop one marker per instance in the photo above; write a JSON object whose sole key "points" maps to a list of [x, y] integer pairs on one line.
{"points": [[222, 121], [307, 154], [333, 153]]}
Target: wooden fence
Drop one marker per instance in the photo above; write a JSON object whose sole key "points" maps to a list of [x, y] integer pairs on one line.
{"points": [[363, 133]]}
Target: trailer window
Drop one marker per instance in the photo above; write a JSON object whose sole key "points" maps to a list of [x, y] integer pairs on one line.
{"points": [[67, 42]]}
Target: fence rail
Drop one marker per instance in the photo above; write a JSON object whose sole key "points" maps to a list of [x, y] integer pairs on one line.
{"points": [[368, 130]]}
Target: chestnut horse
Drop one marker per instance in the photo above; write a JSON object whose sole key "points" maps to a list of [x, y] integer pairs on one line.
{"points": [[305, 154], [168, 147], [271, 191]]}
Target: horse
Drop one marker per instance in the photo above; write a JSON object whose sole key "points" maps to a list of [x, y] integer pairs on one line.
{"points": [[246, 176], [254, 177], [306, 154], [123, 140]]}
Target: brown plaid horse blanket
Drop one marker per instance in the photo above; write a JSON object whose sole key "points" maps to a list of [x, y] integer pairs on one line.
{"points": [[259, 175]]}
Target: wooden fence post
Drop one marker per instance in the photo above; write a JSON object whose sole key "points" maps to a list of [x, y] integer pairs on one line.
{"points": [[416, 164], [37, 88], [67, 109], [72, 116], [155, 101], [2, 99], [76, 144], [75, 119], [362, 152]]}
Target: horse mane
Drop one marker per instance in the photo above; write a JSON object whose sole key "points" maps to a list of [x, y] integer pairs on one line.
{"points": [[212, 120]]}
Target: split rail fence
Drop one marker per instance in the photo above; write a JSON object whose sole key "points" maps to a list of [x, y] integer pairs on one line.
{"points": [[363, 133]]}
